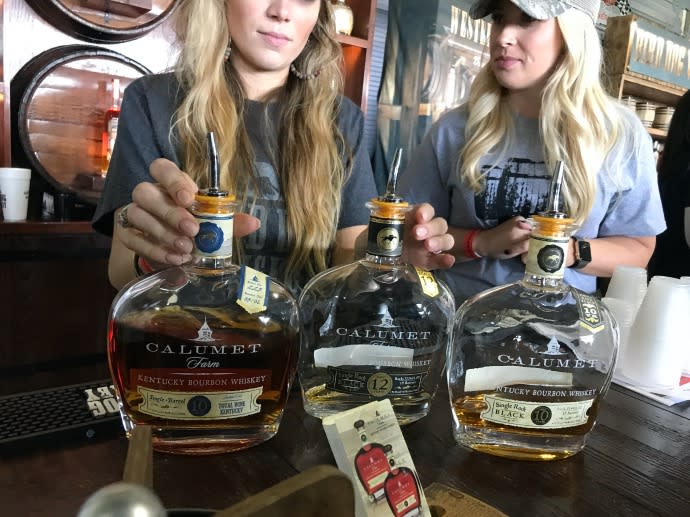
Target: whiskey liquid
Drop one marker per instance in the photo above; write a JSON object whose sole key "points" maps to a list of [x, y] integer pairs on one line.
{"points": [[512, 441], [208, 380]]}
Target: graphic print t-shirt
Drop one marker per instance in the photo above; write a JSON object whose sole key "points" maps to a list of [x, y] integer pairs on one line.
{"points": [[517, 183], [148, 107]]}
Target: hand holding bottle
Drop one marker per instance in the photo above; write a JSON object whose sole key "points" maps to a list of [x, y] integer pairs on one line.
{"points": [[162, 226], [427, 240], [507, 240]]}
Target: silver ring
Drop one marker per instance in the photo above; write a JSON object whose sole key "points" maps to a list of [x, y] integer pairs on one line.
{"points": [[122, 218]]}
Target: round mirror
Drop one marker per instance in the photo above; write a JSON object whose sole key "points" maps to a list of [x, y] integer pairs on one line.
{"points": [[59, 102]]}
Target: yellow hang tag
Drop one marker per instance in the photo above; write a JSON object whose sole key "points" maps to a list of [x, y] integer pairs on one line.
{"points": [[253, 295], [429, 285]]}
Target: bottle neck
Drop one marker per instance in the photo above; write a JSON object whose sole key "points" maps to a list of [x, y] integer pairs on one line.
{"points": [[386, 230], [547, 253], [213, 244], [381, 260]]}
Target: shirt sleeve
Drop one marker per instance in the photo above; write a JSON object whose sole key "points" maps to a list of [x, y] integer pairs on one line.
{"points": [[360, 186], [140, 140], [636, 209]]}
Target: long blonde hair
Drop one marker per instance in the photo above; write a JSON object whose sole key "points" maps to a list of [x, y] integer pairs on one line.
{"points": [[308, 155], [579, 122]]}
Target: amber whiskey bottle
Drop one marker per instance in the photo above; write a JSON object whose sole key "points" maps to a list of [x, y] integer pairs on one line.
{"points": [[531, 361], [205, 353]]}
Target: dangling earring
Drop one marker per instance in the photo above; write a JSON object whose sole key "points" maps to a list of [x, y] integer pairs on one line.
{"points": [[302, 75], [228, 50]]}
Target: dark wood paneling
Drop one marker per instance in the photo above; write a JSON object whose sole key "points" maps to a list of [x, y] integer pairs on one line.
{"points": [[54, 303]]}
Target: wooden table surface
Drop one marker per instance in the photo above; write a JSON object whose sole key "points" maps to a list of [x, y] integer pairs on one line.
{"points": [[637, 463]]}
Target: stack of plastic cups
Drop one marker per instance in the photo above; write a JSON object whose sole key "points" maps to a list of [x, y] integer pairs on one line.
{"points": [[656, 348], [686, 365], [624, 295]]}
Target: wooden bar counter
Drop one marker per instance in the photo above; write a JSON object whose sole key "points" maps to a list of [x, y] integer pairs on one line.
{"points": [[54, 301], [637, 462]]}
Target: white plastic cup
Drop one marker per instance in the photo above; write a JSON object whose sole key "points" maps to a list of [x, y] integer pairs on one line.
{"points": [[624, 314], [655, 352], [628, 283], [14, 193], [686, 366]]}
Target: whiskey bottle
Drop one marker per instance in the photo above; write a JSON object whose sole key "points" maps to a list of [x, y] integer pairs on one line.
{"points": [[402, 492], [111, 117], [530, 362], [371, 464], [205, 353], [376, 328]]}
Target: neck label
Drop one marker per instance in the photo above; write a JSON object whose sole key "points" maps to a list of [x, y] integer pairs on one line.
{"points": [[214, 239], [546, 256], [385, 237]]}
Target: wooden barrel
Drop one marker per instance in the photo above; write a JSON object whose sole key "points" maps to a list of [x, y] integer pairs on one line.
{"points": [[58, 103], [104, 21]]}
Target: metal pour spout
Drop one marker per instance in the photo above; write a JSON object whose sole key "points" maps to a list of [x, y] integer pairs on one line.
{"points": [[391, 195], [214, 167], [555, 205]]}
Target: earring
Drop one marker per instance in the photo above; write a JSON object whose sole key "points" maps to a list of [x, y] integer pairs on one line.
{"points": [[302, 75], [228, 50]]}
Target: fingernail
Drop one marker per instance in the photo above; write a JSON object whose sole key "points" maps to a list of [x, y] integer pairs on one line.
{"points": [[184, 245], [184, 197], [420, 232], [189, 228]]}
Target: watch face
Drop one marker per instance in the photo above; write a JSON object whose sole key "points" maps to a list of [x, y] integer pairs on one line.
{"points": [[584, 251]]}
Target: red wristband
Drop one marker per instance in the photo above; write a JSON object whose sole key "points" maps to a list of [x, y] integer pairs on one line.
{"points": [[469, 244], [142, 266]]}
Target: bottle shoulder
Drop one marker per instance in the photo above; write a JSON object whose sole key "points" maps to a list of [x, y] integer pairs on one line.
{"points": [[185, 286]]}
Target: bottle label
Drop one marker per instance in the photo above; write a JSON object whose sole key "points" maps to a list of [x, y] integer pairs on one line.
{"points": [[590, 312], [112, 133], [428, 282], [195, 405], [254, 289], [546, 256], [215, 235], [376, 384], [372, 467], [385, 237], [536, 415]]}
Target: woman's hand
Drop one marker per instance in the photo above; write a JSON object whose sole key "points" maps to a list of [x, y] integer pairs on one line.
{"points": [[157, 224], [427, 240], [507, 240]]}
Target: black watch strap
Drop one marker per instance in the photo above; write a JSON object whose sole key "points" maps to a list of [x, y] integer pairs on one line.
{"points": [[583, 253]]}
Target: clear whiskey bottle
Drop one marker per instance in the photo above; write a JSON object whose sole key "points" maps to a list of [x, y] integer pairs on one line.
{"points": [[376, 328], [205, 353], [531, 361]]}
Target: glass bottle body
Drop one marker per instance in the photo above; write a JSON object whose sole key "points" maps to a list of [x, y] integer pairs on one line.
{"points": [[111, 117], [531, 361], [373, 329], [207, 373]]}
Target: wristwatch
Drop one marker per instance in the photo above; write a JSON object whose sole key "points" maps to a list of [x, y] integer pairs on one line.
{"points": [[583, 253]]}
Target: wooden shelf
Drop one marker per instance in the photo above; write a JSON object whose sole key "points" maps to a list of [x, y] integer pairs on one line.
{"points": [[645, 88], [352, 40], [658, 134]]}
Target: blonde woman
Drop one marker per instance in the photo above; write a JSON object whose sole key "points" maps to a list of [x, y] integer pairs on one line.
{"points": [[264, 76], [485, 166]]}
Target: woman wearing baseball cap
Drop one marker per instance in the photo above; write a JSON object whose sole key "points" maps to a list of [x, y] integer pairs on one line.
{"points": [[486, 165]]}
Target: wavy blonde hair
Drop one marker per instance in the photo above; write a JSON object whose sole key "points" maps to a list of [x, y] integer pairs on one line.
{"points": [[308, 155], [579, 122]]}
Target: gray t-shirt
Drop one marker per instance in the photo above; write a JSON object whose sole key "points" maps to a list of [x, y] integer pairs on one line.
{"points": [[627, 198], [144, 135]]}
